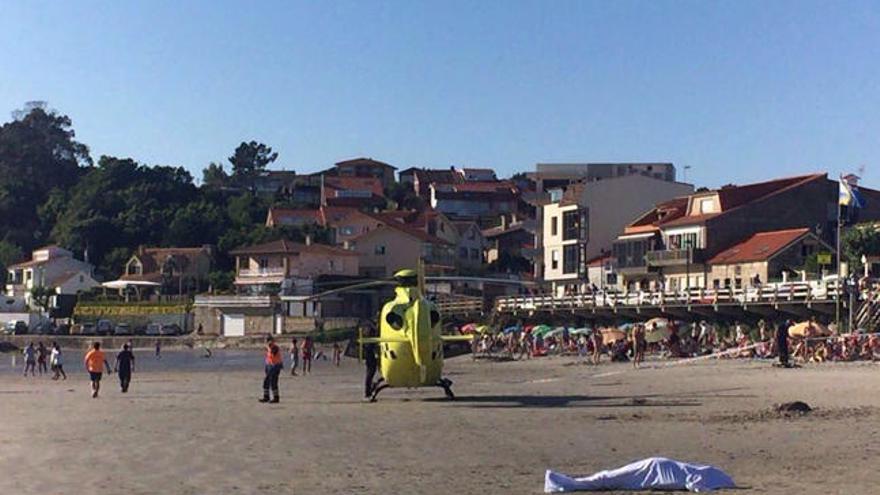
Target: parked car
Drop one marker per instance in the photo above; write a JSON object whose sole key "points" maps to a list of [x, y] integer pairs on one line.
{"points": [[140, 330], [104, 327], [122, 329], [170, 330], [88, 329], [63, 329], [16, 327], [153, 329], [44, 327]]}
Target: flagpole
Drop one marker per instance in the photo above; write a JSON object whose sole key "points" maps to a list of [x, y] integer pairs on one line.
{"points": [[837, 287]]}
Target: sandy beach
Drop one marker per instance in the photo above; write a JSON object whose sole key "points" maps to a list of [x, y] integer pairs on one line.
{"points": [[191, 425]]}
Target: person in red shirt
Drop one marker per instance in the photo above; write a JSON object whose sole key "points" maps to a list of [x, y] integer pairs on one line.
{"points": [[95, 362], [274, 365]]}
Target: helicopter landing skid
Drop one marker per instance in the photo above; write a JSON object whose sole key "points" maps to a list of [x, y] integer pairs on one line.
{"points": [[446, 384]]}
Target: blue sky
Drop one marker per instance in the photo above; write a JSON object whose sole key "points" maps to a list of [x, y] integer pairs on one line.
{"points": [[737, 90]]}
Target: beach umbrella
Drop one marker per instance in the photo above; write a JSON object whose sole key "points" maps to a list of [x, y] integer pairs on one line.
{"points": [[582, 331], [541, 329], [611, 335], [656, 333], [808, 329], [511, 329], [657, 322], [469, 328]]}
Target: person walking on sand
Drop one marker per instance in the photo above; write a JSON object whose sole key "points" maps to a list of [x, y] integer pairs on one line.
{"points": [[782, 343], [596, 338], [294, 356], [30, 359], [57, 362], [337, 354], [274, 365], [307, 349], [95, 362], [158, 349], [639, 344], [42, 358], [124, 367], [371, 361]]}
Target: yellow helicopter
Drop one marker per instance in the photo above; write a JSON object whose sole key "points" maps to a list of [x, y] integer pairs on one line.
{"points": [[410, 340]]}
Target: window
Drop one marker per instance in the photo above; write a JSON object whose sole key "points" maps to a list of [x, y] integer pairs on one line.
{"points": [[331, 265], [737, 270], [570, 258], [807, 249], [727, 283], [472, 234], [738, 283], [475, 254], [554, 229], [463, 252], [442, 227], [707, 205], [570, 225], [134, 268], [554, 259], [682, 241], [347, 230], [264, 262], [716, 284], [379, 249], [82, 279]]}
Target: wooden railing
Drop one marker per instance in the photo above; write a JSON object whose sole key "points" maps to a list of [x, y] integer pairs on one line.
{"points": [[774, 293]]}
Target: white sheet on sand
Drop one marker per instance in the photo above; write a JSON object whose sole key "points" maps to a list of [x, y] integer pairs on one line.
{"points": [[653, 473]]}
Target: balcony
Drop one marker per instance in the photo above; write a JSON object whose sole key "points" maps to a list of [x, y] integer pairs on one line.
{"points": [[275, 271], [674, 257]]}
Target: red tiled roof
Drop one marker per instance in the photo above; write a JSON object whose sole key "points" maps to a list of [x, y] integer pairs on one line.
{"points": [[372, 184], [599, 260], [283, 246], [365, 161], [733, 197], [485, 186], [152, 258], [279, 215], [406, 229], [440, 176], [759, 247], [663, 213]]}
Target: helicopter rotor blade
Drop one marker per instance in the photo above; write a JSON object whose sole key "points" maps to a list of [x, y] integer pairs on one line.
{"points": [[503, 281], [363, 285]]}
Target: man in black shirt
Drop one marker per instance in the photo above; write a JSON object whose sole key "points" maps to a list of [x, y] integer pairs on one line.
{"points": [[782, 343], [371, 359], [124, 367]]}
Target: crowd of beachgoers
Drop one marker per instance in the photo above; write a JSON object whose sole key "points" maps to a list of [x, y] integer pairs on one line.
{"points": [[808, 341]]}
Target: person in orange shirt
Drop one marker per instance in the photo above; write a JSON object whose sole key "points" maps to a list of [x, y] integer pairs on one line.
{"points": [[274, 365], [95, 362]]}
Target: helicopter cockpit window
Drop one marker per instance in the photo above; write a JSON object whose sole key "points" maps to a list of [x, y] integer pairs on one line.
{"points": [[395, 320]]}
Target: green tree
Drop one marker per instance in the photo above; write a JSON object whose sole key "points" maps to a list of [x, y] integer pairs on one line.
{"points": [[857, 241], [404, 197], [41, 296], [121, 203], [9, 254], [248, 160], [214, 177], [38, 154]]}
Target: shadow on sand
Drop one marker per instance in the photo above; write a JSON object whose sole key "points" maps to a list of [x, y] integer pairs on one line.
{"points": [[689, 399]]}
